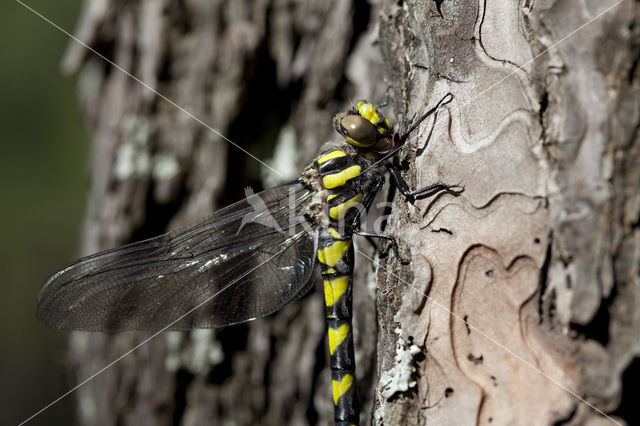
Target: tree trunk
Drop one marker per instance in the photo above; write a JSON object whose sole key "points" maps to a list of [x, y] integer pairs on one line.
{"points": [[522, 302], [522, 294]]}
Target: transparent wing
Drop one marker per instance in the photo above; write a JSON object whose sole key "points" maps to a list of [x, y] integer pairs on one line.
{"points": [[245, 261]]}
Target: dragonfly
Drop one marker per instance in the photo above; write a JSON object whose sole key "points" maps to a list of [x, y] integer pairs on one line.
{"points": [[252, 257]]}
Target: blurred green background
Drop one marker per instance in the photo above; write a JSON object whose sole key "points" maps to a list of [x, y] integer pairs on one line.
{"points": [[44, 186]]}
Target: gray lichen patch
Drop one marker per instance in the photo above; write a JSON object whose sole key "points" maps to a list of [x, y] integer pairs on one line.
{"points": [[133, 157], [399, 378], [411, 333], [164, 167], [197, 355]]}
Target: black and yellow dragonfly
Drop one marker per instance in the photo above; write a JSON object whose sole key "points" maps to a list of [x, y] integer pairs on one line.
{"points": [[251, 258]]}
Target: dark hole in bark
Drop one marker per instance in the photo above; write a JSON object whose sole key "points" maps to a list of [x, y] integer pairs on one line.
{"points": [[475, 359], [183, 379], [157, 216], [628, 408], [265, 108], [598, 328], [233, 339]]}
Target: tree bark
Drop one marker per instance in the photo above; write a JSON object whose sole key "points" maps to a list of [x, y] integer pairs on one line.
{"points": [[522, 288], [522, 301]]}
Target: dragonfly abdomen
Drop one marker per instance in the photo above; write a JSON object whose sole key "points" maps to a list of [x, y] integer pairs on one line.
{"points": [[335, 254], [342, 176]]}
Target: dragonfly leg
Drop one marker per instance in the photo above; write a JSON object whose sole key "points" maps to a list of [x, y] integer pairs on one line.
{"points": [[427, 191], [391, 238]]}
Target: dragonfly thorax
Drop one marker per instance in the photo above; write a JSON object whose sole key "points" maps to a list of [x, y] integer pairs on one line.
{"points": [[344, 180]]}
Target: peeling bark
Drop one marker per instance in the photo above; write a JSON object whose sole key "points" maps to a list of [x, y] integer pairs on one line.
{"points": [[522, 287]]}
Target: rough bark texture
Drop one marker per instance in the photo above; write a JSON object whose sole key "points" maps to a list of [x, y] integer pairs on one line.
{"points": [[532, 274], [539, 255]]}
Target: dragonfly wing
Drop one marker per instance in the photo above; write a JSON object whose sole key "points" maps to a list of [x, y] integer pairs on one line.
{"points": [[245, 261]]}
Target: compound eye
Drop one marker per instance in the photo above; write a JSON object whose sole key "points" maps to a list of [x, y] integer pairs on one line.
{"points": [[359, 130]]}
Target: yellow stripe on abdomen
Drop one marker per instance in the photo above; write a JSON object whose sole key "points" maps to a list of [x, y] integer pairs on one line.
{"points": [[332, 254], [330, 155], [340, 178], [337, 336], [341, 387], [338, 212], [334, 289]]}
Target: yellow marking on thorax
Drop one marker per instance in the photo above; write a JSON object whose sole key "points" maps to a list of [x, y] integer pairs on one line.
{"points": [[334, 233], [337, 336], [330, 155], [332, 254], [341, 387], [331, 197], [338, 212], [340, 178], [334, 289], [328, 271]]}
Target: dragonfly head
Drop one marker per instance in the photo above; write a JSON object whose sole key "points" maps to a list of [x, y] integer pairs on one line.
{"points": [[365, 127]]}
